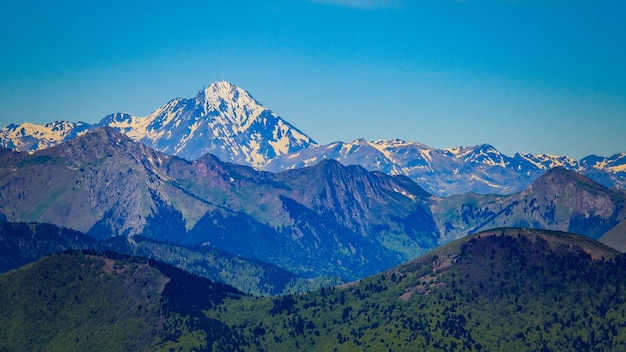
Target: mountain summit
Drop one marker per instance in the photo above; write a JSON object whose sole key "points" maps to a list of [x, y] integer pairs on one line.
{"points": [[221, 119]]}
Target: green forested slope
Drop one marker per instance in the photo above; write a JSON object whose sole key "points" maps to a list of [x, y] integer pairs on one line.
{"points": [[503, 290], [507, 290], [81, 302], [23, 243]]}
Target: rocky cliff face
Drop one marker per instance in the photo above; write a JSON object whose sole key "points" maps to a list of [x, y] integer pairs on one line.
{"points": [[102, 183]]}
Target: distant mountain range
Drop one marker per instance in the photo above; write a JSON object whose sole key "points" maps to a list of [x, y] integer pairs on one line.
{"points": [[479, 169], [325, 220], [228, 122]]}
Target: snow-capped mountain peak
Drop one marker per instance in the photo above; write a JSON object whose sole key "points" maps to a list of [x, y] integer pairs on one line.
{"points": [[222, 119], [31, 137], [233, 102], [615, 163], [485, 154], [130, 125], [548, 161]]}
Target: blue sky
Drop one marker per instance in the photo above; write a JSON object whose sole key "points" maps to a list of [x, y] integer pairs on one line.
{"points": [[522, 75]]}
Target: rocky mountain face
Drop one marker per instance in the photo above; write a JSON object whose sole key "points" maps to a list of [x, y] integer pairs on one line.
{"points": [[616, 237], [327, 220], [101, 183]]}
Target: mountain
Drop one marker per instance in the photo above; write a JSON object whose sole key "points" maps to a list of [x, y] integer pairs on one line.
{"points": [[91, 302], [616, 237], [22, 243], [327, 220], [451, 171], [560, 200], [505, 289], [102, 183], [480, 169], [606, 171], [221, 119]]}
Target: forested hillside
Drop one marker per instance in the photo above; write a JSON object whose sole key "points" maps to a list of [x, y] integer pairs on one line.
{"points": [[502, 290]]}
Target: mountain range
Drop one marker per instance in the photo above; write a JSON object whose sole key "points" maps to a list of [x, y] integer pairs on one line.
{"points": [[228, 122], [450, 171], [326, 220], [164, 225]]}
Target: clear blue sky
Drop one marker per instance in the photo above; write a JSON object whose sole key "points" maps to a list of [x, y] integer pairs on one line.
{"points": [[529, 76]]}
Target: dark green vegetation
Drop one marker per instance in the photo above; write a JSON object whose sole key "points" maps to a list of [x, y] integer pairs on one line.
{"points": [[22, 243], [83, 302], [502, 290], [507, 290], [247, 275]]}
